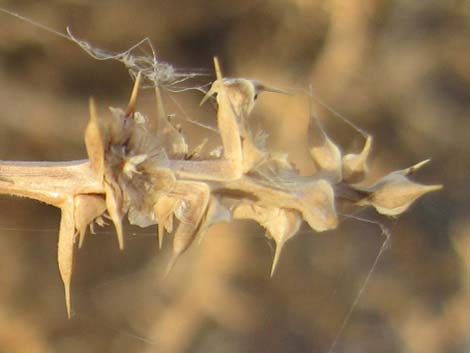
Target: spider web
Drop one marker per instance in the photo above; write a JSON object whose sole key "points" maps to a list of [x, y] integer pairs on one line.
{"points": [[141, 57]]}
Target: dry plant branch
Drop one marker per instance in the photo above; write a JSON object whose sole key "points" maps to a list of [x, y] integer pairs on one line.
{"points": [[144, 170]]}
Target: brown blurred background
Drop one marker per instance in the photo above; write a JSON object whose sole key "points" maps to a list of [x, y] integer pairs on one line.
{"points": [[399, 69]]}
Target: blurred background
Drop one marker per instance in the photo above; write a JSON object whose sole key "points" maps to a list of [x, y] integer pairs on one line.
{"points": [[399, 69]]}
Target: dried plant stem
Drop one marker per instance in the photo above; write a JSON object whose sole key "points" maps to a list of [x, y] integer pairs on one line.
{"points": [[49, 182], [143, 170]]}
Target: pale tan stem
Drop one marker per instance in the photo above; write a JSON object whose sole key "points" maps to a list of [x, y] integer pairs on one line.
{"points": [[212, 170], [49, 182]]}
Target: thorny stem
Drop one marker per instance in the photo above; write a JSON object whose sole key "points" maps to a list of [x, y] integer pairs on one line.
{"points": [[124, 176], [49, 182], [63, 185]]}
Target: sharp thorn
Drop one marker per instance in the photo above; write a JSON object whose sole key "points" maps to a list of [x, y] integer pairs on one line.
{"points": [[119, 234], [94, 141], [133, 99], [161, 114], [81, 239], [65, 251], [277, 255], [266, 88], [218, 71], [160, 235], [417, 166], [68, 304], [207, 96]]}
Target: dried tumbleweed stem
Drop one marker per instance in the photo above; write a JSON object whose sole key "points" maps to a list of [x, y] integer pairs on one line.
{"points": [[143, 170]]}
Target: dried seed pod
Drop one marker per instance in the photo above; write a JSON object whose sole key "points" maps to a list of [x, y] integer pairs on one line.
{"points": [[242, 93], [287, 225], [190, 212], [280, 224], [327, 158], [316, 201], [355, 165], [164, 209], [86, 209], [394, 193], [325, 154], [216, 213]]}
